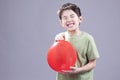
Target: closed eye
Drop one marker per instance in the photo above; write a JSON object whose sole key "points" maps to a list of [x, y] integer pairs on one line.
{"points": [[72, 15]]}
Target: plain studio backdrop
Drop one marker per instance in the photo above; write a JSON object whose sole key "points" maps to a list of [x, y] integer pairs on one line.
{"points": [[28, 28]]}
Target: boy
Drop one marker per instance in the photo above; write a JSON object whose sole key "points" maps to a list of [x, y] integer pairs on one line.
{"points": [[87, 53]]}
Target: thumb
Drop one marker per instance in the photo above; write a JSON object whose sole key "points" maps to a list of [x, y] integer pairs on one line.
{"points": [[72, 68]]}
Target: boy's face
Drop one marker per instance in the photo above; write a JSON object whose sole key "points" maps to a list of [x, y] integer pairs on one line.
{"points": [[69, 20]]}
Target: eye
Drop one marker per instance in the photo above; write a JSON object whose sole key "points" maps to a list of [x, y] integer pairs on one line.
{"points": [[72, 16], [64, 18]]}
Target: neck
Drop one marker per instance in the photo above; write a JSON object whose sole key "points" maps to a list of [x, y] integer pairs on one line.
{"points": [[75, 32]]}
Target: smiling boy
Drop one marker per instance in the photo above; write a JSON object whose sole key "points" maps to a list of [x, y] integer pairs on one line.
{"points": [[87, 53]]}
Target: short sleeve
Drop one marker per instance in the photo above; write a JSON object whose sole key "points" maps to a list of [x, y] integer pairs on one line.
{"points": [[92, 51]]}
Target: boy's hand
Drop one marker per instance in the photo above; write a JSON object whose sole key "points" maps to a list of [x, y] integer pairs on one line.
{"points": [[74, 70], [59, 36]]}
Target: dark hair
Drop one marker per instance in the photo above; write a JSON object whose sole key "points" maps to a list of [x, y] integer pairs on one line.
{"points": [[69, 6]]}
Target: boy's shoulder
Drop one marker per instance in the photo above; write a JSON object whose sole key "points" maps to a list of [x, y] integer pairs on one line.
{"points": [[84, 35], [87, 35]]}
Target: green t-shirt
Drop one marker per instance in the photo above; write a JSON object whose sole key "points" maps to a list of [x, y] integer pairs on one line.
{"points": [[86, 50]]}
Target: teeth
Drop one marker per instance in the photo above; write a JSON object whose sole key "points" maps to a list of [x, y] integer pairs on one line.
{"points": [[70, 25]]}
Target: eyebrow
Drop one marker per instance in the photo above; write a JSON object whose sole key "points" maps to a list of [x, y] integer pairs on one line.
{"points": [[70, 15]]}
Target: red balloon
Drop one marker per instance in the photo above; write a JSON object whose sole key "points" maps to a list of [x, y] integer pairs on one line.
{"points": [[61, 55]]}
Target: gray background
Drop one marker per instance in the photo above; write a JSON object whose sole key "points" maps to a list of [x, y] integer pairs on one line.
{"points": [[28, 28]]}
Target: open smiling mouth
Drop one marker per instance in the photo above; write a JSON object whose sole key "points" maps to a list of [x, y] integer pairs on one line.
{"points": [[70, 25]]}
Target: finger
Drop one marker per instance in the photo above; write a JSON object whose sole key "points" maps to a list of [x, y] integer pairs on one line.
{"points": [[72, 68], [59, 37], [66, 71]]}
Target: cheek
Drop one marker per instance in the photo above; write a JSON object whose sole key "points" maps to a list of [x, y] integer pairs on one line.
{"points": [[78, 21], [63, 23]]}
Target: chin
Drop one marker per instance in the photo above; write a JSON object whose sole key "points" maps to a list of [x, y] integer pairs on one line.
{"points": [[73, 30]]}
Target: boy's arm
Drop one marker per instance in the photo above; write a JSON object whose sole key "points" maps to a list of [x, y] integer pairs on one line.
{"points": [[85, 68], [88, 67]]}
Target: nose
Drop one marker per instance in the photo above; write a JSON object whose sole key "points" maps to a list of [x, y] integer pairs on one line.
{"points": [[68, 19]]}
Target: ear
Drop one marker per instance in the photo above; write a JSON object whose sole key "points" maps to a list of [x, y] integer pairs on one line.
{"points": [[81, 19]]}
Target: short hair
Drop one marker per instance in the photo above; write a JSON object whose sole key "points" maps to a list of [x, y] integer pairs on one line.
{"points": [[69, 6]]}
